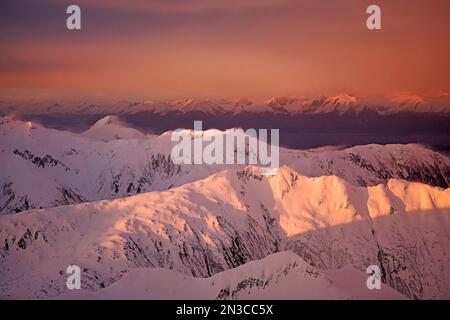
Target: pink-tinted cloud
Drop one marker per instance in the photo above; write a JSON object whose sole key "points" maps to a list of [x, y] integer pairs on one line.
{"points": [[231, 48]]}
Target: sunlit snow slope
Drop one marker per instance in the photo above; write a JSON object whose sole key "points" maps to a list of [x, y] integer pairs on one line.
{"points": [[280, 276], [112, 161], [229, 219]]}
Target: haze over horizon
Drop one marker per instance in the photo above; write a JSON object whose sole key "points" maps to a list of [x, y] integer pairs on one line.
{"points": [[205, 49]]}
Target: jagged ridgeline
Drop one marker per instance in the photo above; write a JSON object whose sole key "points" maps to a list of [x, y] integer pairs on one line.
{"points": [[133, 209], [111, 161], [231, 219]]}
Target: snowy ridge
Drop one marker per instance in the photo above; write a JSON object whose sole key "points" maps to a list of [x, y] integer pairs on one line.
{"points": [[73, 168], [110, 128], [279, 276], [232, 218]]}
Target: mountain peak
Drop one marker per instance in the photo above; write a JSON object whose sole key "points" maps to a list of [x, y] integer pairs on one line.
{"points": [[280, 101], [343, 99], [108, 120], [111, 128]]}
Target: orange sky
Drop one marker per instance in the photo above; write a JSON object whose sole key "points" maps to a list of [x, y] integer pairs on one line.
{"points": [[223, 48]]}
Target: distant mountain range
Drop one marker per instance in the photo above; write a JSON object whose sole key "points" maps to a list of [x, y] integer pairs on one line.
{"points": [[340, 104], [343, 120], [230, 219]]}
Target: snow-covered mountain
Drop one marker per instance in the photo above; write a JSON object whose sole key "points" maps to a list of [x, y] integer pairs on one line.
{"points": [[279, 276], [73, 168], [335, 211], [110, 128], [346, 103], [229, 219], [304, 122], [373, 164]]}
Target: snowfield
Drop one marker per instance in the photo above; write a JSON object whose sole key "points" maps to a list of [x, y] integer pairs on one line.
{"points": [[111, 201], [232, 218], [112, 161]]}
